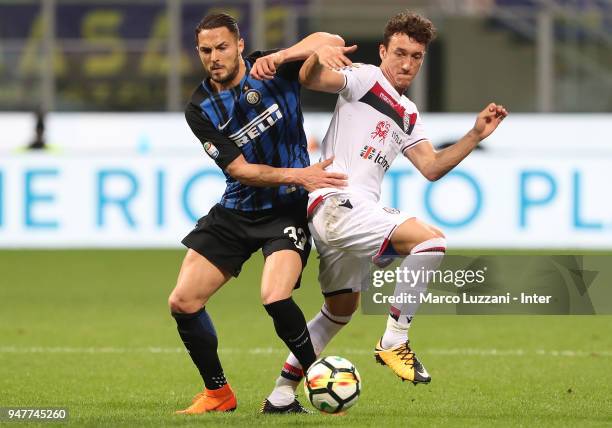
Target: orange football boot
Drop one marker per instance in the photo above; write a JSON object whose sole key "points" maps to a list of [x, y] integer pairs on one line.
{"points": [[215, 400]]}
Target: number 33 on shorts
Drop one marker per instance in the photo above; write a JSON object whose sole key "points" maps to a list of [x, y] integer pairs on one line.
{"points": [[297, 235]]}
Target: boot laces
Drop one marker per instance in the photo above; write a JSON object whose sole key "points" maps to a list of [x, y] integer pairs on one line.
{"points": [[405, 354]]}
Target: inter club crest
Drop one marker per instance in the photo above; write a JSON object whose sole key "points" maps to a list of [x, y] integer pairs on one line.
{"points": [[253, 97]]}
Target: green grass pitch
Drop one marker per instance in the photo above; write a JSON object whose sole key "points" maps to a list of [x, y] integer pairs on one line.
{"points": [[90, 331]]}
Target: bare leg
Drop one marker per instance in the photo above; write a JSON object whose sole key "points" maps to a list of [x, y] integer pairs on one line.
{"points": [[198, 280]]}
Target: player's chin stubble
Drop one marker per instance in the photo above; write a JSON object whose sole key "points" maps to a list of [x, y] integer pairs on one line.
{"points": [[231, 73]]}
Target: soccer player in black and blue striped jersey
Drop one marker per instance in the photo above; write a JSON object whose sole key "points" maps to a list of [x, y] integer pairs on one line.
{"points": [[247, 116]]}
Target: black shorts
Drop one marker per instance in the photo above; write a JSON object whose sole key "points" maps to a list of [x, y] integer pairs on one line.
{"points": [[227, 237]]}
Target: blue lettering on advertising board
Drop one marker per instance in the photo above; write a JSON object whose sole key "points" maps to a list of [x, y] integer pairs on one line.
{"points": [[579, 223], [32, 198], [120, 202], [525, 201], [470, 217]]}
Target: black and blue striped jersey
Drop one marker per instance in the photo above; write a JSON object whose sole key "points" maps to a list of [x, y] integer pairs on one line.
{"points": [[261, 120]]}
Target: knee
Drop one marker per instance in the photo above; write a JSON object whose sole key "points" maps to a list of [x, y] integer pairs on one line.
{"points": [[434, 241], [180, 305], [436, 233], [415, 234], [435, 238], [427, 232], [271, 297], [429, 235], [267, 298], [271, 294], [342, 305], [346, 310]]}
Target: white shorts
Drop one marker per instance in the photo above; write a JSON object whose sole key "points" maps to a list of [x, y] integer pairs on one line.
{"points": [[349, 233]]}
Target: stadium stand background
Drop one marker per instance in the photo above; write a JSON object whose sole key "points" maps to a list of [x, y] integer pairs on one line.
{"points": [[122, 55]]}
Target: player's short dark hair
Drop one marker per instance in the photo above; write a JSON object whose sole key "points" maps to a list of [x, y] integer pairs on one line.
{"points": [[413, 25], [217, 20]]}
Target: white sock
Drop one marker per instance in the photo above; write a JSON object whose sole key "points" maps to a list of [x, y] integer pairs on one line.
{"points": [[283, 393], [323, 327], [424, 257], [395, 334]]}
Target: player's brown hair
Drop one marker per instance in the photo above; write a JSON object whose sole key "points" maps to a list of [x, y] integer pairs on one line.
{"points": [[217, 20], [413, 25]]}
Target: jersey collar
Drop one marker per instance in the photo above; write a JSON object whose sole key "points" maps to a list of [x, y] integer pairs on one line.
{"points": [[389, 85]]}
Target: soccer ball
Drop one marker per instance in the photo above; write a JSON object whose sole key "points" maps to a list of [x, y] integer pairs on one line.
{"points": [[332, 384]]}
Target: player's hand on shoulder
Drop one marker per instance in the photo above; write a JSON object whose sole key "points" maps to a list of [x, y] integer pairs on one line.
{"points": [[265, 67], [315, 177], [334, 57], [489, 119]]}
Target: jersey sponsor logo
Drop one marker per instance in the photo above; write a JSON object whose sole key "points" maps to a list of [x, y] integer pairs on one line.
{"points": [[368, 152], [381, 131], [409, 122], [211, 150], [257, 126], [380, 92], [253, 97], [376, 156], [396, 138], [383, 102]]}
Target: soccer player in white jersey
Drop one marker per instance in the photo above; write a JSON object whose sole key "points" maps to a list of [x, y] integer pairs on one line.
{"points": [[372, 124]]}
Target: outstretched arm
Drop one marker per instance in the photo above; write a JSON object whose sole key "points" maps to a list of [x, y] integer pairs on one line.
{"points": [[435, 164], [265, 67], [319, 72]]}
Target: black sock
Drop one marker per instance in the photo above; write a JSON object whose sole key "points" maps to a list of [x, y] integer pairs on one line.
{"points": [[200, 339], [290, 326]]}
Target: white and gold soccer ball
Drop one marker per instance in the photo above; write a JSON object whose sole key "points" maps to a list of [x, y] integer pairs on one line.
{"points": [[332, 384]]}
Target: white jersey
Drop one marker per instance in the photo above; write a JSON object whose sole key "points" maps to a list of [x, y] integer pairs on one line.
{"points": [[371, 125]]}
